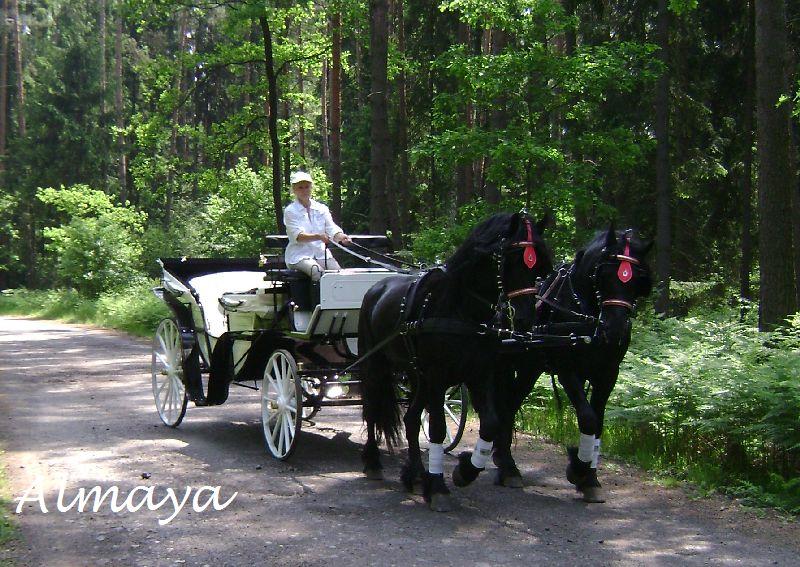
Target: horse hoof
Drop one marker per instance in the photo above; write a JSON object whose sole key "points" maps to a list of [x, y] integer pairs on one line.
{"points": [[594, 495], [509, 481], [465, 472], [441, 502], [410, 479], [373, 474]]}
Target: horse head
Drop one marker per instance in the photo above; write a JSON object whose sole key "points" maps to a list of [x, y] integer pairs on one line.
{"points": [[613, 267], [524, 258], [499, 264]]}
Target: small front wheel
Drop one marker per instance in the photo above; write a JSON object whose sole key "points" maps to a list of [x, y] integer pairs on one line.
{"points": [[167, 369], [281, 404]]}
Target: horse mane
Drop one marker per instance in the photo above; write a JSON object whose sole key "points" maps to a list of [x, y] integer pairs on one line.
{"points": [[479, 242]]}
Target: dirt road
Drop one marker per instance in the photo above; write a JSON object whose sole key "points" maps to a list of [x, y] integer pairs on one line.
{"points": [[76, 411]]}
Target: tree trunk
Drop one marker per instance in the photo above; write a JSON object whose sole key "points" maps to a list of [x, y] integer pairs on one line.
{"points": [[18, 63], [3, 86], [101, 24], [663, 182], [379, 131], [402, 179], [103, 78], [287, 147], [301, 129], [464, 178], [323, 100], [747, 175], [119, 110], [497, 117], [336, 116], [775, 178], [173, 145], [272, 84]]}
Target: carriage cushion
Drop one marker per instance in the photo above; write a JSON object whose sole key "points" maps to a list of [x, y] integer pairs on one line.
{"points": [[211, 287], [260, 300]]}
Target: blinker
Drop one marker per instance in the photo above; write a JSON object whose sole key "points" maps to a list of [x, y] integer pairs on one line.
{"points": [[625, 271], [529, 254]]}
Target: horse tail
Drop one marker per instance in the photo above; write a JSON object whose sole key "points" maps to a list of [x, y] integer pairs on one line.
{"points": [[380, 408]]}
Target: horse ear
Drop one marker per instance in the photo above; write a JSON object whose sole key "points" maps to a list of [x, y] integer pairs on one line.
{"points": [[543, 223], [579, 257], [611, 236], [513, 226]]}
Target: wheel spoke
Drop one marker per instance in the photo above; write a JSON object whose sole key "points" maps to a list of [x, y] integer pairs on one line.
{"points": [[172, 396], [273, 390], [163, 404], [161, 388], [291, 425], [162, 359], [284, 374], [286, 436], [452, 416], [279, 430], [276, 428], [163, 345]]}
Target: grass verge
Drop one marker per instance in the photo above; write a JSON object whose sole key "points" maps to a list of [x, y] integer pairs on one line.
{"points": [[133, 309]]}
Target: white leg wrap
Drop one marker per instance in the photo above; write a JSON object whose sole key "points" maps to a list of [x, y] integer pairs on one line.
{"points": [[436, 458], [481, 454], [596, 453], [586, 448]]}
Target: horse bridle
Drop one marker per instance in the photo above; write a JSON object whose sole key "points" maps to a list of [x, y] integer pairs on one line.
{"points": [[627, 265], [528, 257]]}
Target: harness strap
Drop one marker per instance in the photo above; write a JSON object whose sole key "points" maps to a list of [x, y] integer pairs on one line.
{"points": [[618, 303], [523, 291], [373, 350]]}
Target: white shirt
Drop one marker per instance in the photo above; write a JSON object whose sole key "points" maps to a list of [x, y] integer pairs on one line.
{"points": [[314, 220]]}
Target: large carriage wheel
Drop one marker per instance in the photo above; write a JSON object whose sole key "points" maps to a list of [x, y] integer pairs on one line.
{"points": [[281, 404], [167, 367], [456, 405]]}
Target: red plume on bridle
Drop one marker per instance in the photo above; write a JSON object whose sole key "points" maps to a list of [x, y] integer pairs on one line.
{"points": [[529, 254], [625, 271]]}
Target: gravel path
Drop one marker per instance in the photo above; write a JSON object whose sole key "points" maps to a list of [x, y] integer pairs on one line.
{"points": [[76, 411]]}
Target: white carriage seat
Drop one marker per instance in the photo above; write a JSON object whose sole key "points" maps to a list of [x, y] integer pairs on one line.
{"points": [[210, 287]]}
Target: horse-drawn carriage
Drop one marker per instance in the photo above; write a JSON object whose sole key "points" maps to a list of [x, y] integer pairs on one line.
{"points": [[256, 324], [483, 325]]}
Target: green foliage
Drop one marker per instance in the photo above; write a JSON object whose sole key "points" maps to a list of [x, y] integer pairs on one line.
{"points": [[9, 235], [708, 399], [239, 213], [97, 247], [435, 243], [132, 308]]}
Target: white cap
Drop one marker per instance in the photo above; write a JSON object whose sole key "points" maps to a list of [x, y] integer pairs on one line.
{"points": [[299, 176]]}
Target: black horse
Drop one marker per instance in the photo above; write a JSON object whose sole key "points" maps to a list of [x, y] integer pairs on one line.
{"points": [[593, 296], [440, 330]]}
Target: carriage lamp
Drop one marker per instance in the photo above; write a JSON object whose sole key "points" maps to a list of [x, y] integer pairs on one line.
{"points": [[334, 390]]}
